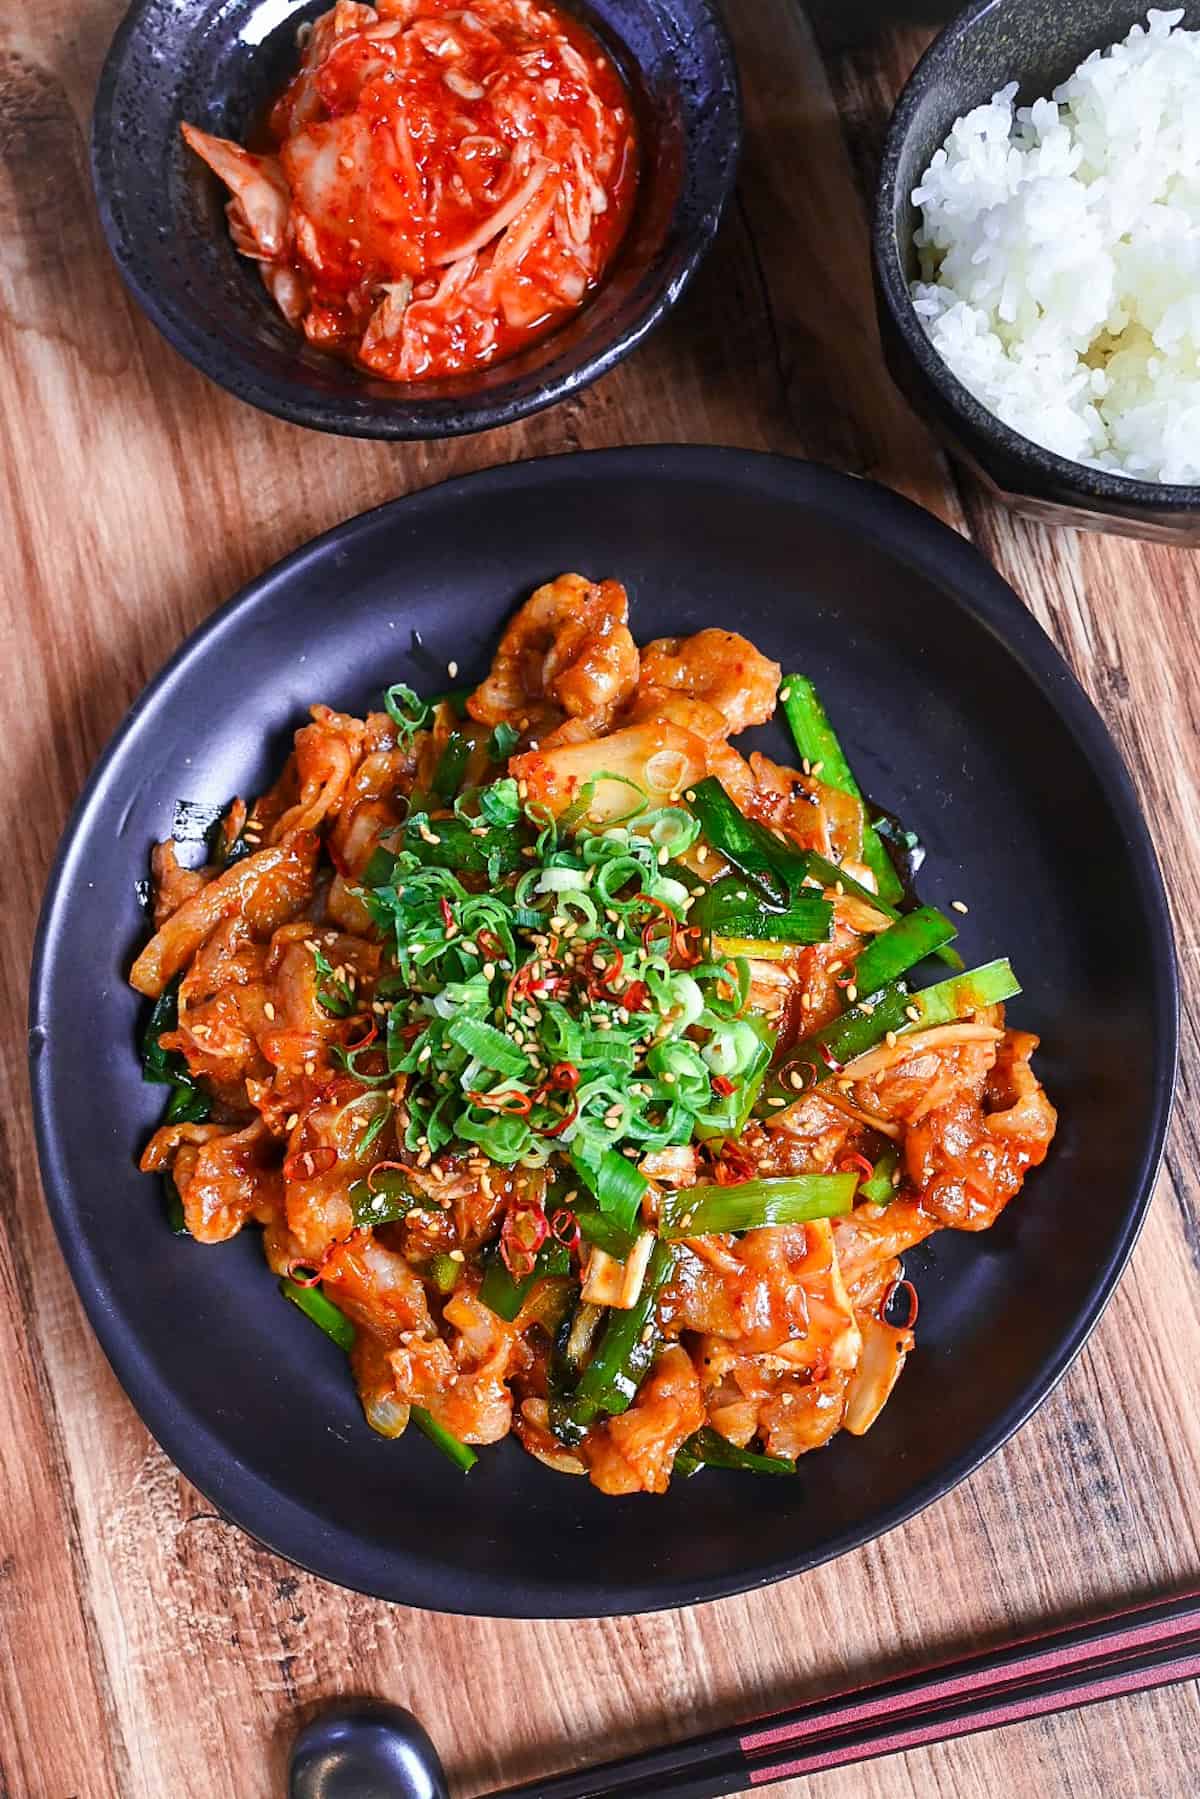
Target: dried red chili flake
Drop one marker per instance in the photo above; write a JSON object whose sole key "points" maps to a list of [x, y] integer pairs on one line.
{"points": [[522, 1234], [734, 1165], [309, 1164], [914, 1304], [636, 997], [853, 1160], [722, 1085], [568, 1118], [511, 1103], [600, 980], [684, 940], [303, 1274], [367, 1038], [564, 1228], [447, 914]]}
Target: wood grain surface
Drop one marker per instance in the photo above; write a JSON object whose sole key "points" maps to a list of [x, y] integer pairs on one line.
{"points": [[147, 1649]]}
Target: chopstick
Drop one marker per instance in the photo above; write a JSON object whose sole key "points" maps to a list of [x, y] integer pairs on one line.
{"points": [[1130, 1651]]}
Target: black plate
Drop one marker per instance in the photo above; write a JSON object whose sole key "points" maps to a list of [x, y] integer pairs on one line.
{"points": [[219, 63], [958, 714]]}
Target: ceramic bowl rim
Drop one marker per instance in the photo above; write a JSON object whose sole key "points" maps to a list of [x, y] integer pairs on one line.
{"points": [[289, 396], [1123, 492]]}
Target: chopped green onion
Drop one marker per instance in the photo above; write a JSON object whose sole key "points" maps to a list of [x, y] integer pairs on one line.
{"points": [[385, 1200], [444, 1272], [622, 1360], [748, 845], [617, 1184], [459, 1453], [505, 1295], [901, 947], [988, 985], [407, 711], [374, 1130], [335, 994], [595, 1228], [173, 1201], [188, 1104], [313, 1303], [782, 1199], [725, 913], [452, 843], [447, 776], [832, 874], [709, 1449], [817, 743], [880, 1188], [828, 1050], [502, 742], [489, 1047], [499, 803]]}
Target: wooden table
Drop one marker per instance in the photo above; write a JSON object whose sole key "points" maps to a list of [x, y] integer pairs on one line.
{"points": [[147, 1649]]}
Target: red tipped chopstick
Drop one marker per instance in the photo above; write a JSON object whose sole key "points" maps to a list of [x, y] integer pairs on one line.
{"points": [[1130, 1651]]}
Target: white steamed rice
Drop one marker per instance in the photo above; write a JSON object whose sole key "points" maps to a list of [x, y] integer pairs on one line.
{"points": [[1060, 256]]}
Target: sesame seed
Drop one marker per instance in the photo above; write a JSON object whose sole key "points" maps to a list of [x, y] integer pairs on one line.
{"points": [[452, 669], [690, 795], [664, 856], [865, 1005], [913, 1012], [269, 1009], [456, 1255], [785, 694], [817, 767], [958, 906], [489, 971], [839, 889], [647, 1333], [292, 1122], [852, 993], [806, 765], [777, 1102], [796, 1080], [890, 1039]]}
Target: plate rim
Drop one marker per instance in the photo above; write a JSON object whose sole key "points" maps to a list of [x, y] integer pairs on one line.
{"points": [[291, 1529]]}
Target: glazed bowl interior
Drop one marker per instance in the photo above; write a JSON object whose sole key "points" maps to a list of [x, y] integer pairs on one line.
{"points": [[1037, 43], [220, 63]]}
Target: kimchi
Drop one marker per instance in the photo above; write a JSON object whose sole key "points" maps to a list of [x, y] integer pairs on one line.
{"points": [[440, 184], [587, 1079]]}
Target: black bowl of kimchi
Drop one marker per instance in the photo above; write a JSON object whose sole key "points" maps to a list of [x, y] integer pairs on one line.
{"points": [[221, 68], [952, 707]]}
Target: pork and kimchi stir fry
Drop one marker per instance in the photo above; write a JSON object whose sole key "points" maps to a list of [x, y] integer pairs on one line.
{"points": [[573, 1064], [439, 185]]}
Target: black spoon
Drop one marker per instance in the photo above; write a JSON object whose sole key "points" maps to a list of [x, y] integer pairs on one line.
{"points": [[368, 1750]]}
